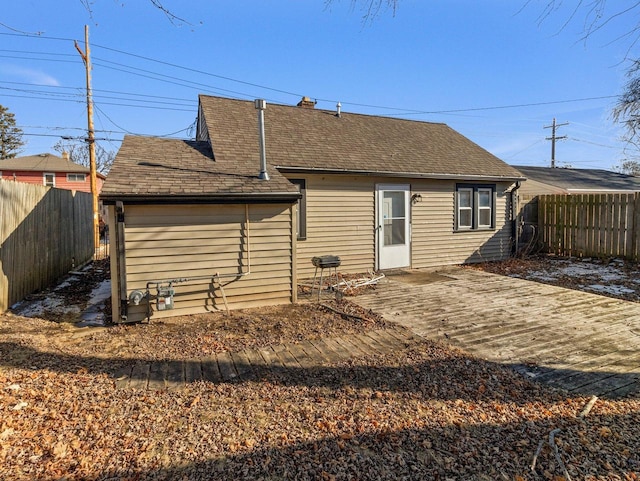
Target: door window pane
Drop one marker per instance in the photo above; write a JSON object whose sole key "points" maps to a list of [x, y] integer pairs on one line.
{"points": [[394, 222], [394, 232], [396, 200]]}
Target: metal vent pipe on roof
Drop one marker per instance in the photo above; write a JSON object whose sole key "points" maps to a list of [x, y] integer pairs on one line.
{"points": [[261, 105]]}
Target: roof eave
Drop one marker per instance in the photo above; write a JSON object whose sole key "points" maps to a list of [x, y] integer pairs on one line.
{"points": [[220, 198], [409, 175]]}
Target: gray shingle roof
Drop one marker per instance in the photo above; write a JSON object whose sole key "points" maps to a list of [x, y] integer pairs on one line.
{"points": [[149, 167], [308, 139], [42, 163], [582, 179]]}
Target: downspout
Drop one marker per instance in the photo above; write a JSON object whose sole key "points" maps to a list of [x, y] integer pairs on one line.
{"points": [[515, 213], [121, 262]]}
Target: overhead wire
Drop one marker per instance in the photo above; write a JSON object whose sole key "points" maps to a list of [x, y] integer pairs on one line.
{"points": [[402, 111], [159, 102]]}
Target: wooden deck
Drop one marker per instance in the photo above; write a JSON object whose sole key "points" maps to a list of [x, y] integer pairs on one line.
{"points": [[229, 366], [585, 343]]}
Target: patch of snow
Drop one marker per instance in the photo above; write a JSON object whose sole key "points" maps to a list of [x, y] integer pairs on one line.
{"points": [[541, 276], [65, 283], [38, 307], [606, 273], [101, 293], [612, 289], [93, 315]]}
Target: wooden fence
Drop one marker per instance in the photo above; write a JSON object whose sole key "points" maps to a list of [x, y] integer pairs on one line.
{"points": [[44, 233], [590, 225]]}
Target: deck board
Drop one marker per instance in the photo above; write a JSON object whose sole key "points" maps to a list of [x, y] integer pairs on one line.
{"points": [[545, 332]]}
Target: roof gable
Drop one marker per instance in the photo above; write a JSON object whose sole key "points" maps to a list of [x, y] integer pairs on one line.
{"points": [[313, 139]]}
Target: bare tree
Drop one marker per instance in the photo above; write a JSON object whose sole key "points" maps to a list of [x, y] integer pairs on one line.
{"points": [[370, 8], [627, 113], [78, 151], [173, 18], [596, 16]]}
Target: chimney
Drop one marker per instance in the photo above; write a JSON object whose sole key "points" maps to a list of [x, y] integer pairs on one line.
{"points": [[306, 103], [65, 155], [261, 105]]}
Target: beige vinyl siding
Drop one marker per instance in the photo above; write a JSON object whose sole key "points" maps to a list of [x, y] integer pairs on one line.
{"points": [[434, 241], [182, 241], [340, 221], [532, 188]]}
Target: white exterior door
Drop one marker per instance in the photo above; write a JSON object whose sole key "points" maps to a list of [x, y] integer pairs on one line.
{"points": [[393, 226]]}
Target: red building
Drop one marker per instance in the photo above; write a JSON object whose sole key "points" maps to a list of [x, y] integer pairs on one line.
{"points": [[49, 169]]}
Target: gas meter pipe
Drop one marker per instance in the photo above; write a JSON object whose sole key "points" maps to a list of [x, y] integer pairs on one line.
{"points": [[180, 280]]}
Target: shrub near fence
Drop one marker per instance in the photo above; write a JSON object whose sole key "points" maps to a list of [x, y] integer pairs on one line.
{"points": [[591, 225], [44, 233]]}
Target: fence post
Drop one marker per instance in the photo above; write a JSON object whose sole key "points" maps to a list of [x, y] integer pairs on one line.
{"points": [[635, 224]]}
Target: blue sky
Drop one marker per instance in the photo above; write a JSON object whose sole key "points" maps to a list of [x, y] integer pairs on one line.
{"points": [[489, 69]]}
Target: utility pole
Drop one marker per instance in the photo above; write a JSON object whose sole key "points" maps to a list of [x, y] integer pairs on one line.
{"points": [[553, 139], [91, 141]]}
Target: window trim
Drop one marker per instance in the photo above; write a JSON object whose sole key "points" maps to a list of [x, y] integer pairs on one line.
{"points": [[44, 179], [475, 190], [76, 175], [301, 215]]}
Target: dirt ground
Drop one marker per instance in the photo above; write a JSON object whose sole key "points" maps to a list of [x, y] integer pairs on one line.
{"points": [[428, 411]]}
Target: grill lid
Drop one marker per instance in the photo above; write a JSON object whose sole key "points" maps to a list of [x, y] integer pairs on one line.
{"points": [[326, 261]]}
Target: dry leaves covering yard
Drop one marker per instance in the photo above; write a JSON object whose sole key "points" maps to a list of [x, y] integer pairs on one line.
{"points": [[424, 412]]}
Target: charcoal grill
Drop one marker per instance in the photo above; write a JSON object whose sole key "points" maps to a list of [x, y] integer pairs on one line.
{"points": [[322, 263]]}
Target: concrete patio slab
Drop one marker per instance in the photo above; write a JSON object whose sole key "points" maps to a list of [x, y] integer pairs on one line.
{"points": [[585, 343]]}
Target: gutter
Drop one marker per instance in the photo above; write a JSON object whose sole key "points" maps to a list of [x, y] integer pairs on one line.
{"points": [[411, 175], [241, 198]]}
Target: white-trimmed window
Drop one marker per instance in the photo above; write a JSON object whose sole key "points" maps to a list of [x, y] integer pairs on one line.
{"points": [[76, 177], [465, 208], [475, 207], [49, 179]]}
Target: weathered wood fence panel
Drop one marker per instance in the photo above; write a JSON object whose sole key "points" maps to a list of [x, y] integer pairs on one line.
{"points": [[44, 233], [592, 225]]}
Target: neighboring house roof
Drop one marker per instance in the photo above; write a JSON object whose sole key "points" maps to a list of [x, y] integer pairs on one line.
{"points": [[582, 180], [150, 168], [308, 139], [43, 163]]}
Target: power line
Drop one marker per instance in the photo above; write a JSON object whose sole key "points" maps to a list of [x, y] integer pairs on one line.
{"points": [[593, 143], [403, 111], [202, 72], [79, 89]]}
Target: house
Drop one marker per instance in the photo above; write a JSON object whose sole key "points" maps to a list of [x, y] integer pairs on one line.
{"points": [[547, 180], [53, 171], [48, 169], [234, 218]]}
